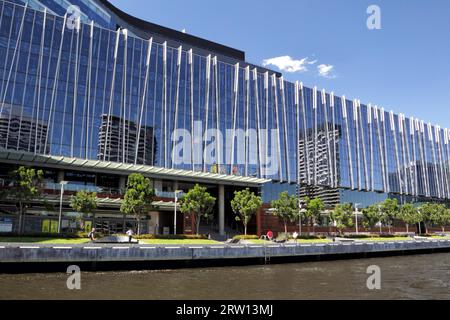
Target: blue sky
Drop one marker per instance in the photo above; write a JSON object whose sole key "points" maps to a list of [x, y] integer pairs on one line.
{"points": [[404, 67]]}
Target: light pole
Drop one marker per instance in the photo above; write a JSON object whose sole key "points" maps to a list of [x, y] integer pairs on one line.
{"points": [[300, 216], [175, 212], [62, 183], [356, 216], [420, 223], [381, 223]]}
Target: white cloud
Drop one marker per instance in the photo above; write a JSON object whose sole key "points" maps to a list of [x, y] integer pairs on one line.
{"points": [[326, 71], [288, 64]]}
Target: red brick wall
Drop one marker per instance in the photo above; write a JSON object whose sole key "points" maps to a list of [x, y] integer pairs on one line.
{"points": [[266, 221]]}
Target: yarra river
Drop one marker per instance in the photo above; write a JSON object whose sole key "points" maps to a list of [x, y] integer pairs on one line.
{"points": [[410, 277]]}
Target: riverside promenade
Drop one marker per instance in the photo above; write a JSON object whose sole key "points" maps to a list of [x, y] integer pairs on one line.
{"points": [[157, 256]]}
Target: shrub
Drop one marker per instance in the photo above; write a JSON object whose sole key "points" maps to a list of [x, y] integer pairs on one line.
{"points": [[76, 235], [321, 237], [247, 237], [362, 236], [366, 236], [302, 237], [171, 237]]}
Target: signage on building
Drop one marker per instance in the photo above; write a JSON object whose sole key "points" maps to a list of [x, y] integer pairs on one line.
{"points": [[6, 227]]}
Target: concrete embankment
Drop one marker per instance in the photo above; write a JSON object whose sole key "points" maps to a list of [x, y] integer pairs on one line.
{"points": [[17, 257]]}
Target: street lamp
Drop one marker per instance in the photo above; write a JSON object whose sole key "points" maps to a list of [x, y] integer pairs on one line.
{"points": [[356, 216], [302, 212], [381, 223], [62, 183], [175, 212], [420, 223]]}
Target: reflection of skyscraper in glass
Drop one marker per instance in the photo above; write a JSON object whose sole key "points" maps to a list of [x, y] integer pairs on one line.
{"points": [[319, 164], [120, 67], [21, 132], [120, 141]]}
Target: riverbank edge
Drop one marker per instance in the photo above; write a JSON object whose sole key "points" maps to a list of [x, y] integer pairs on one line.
{"points": [[29, 259]]}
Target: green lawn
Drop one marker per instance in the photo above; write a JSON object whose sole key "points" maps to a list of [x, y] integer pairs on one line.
{"points": [[384, 239], [179, 242], [82, 241], [398, 239], [42, 240], [299, 241]]}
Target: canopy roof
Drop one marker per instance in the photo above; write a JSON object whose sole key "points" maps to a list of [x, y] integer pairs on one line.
{"points": [[31, 159]]}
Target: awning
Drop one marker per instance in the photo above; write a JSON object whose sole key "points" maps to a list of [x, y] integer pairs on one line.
{"points": [[31, 159]]}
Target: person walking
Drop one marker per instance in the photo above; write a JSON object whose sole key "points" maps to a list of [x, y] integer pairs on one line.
{"points": [[130, 234]]}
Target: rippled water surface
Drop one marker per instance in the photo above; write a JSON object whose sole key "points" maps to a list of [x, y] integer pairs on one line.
{"points": [[413, 277]]}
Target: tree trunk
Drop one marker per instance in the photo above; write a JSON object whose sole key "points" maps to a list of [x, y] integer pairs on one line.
{"points": [[300, 227], [19, 229], [285, 229], [443, 229], [19, 226], [197, 222], [245, 229], [407, 228], [138, 226]]}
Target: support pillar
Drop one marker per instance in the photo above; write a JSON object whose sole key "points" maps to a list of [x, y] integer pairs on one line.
{"points": [[60, 176], [123, 184], [222, 210]]}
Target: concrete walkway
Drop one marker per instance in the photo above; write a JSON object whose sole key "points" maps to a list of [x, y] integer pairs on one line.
{"points": [[47, 253]]}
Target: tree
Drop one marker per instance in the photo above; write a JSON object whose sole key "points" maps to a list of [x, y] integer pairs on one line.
{"points": [[389, 210], [314, 210], [138, 198], [245, 205], [342, 215], [371, 216], [84, 203], [430, 213], [409, 215], [25, 189], [441, 216], [198, 201], [285, 208]]}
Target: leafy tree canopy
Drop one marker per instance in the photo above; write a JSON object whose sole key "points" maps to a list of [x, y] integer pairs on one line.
{"points": [[245, 205]]}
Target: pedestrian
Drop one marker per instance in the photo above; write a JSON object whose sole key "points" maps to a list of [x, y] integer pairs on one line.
{"points": [[130, 234], [91, 235]]}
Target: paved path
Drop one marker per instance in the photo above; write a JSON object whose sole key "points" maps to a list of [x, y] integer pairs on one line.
{"points": [[124, 246]]}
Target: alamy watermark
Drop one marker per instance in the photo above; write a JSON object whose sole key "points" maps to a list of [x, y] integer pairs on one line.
{"points": [[74, 280], [235, 147], [374, 19], [73, 21], [374, 280]]}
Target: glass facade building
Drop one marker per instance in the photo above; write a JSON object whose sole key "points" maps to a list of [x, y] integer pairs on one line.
{"points": [[104, 88]]}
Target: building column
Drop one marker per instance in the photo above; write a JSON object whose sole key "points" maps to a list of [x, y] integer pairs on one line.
{"points": [[60, 176], [123, 183], [222, 210]]}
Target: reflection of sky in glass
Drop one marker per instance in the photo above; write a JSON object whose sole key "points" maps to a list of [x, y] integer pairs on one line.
{"points": [[97, 98]]}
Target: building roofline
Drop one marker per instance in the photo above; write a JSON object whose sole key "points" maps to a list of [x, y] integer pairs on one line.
{"points": [[153, 28]]}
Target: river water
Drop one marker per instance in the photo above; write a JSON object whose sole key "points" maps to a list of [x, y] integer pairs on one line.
{"points": [[411, 277]]}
